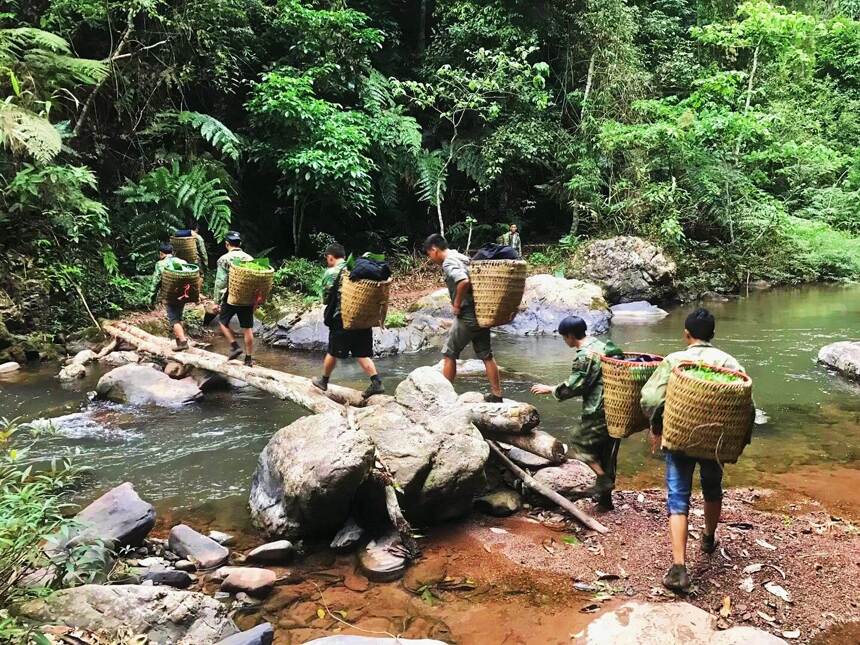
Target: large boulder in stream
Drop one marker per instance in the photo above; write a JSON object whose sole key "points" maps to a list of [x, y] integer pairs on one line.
{"points": [[119, 516], [843, 356], [145, 385], [628, 268], [164, 615]]}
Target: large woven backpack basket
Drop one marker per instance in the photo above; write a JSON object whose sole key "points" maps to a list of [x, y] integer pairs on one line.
{"points": [[249, 287], [622, 385], [364, 303], [185, 248], [181, 287], [706, 419], [497, 287]]}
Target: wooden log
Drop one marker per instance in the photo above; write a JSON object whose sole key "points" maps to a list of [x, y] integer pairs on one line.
{"points": [[288, 387], [537, 442], [583, 518], [509, 417]]}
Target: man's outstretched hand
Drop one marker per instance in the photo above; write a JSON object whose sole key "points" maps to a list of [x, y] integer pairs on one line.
{"points": [[540, 388]]}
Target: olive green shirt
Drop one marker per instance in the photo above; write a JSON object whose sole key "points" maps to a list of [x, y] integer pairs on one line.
{"points": [[202, 256], [514, 241], [586, 380], [222, 276], [155, 283], [653, 395], [329, 278]]}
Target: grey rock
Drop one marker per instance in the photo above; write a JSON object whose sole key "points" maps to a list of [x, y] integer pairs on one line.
{"points": [[279, 552], [222, 572], [348, 536], [168, 577], [259, 635], [119, 517], [83, 357], [426, 390], [142, 385], [381, 561], [307, 476], [640, 312], [500, 503], [628, 268], [9, 367], [118, 359], [224, 539], [191, 545], [567, 480], [164, 615], [526, 459], [153, 561], [72, 372], [843, 356], [252, 580], [185, 565]]}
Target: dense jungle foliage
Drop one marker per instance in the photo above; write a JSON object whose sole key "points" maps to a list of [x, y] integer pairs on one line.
{"points": [[728, 132]]}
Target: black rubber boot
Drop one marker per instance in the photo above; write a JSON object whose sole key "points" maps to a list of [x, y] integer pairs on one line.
{"points": [[249, 361], [492, 398], [235, 351], [376, 387], [604, 501], [709, 543], [321, 382], [602, 487], [677, 578]]}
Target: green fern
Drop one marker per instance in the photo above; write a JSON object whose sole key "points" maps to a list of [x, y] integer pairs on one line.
{"points": [[431, 172], [24, 131]]}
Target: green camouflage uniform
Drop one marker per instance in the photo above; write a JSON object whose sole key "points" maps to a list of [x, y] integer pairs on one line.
{"points": [[223, 274], [514, 241], [155, 283], [202, 256], [590, 442]]}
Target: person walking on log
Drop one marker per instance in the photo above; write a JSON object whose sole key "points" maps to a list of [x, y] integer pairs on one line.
{"points": [[226, 311], [590, 442], [465, 330], [343, 343], [512, 238], [698, 333], [175, 310]]}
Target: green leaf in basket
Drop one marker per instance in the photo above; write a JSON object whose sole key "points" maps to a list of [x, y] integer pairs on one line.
{"points": [[705, 373], [378, 257]]}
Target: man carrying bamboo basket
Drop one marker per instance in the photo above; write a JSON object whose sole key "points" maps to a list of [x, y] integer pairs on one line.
{"points": [[590, 443], [175, 310], [343, 343], [698, 332], [465, 330], [226, 311]]}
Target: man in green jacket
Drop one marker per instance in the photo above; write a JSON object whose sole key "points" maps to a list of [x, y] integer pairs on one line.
{"points": [[200, 243], [698, 333], [512, 239], [226, 311], [590, 442], [175, 310]]}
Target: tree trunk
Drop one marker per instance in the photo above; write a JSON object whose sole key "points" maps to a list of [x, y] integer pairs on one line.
{"points": [[538, 443], [510, 417]]}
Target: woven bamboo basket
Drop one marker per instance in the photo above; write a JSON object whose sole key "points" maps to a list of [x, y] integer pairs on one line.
{"points": [[497, 287], [185, 248], [622, 385], [707, 420], [363, 303], [247, 287], [180, 287]]}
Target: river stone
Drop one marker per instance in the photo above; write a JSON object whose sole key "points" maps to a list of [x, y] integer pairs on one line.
{"points": [[467, 367], [224, 539], [426, 390], [9, 367], [191, 545], [142, 385], [639, 623], [83, 357], [307, 476], [72, 372], [119, 517], [222, 572], [278, 552], [843, 356], [500, 503], [639, 312], [348, 536], [567, 480], [380, 560], [252, 580], [259, 635], [118, 359], [166, 616], [169, 578], [526, 459], [628, 268]]}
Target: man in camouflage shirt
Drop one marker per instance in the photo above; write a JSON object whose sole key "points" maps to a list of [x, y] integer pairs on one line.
{"points": [[226, 311], [175, 310], [590, 442]]}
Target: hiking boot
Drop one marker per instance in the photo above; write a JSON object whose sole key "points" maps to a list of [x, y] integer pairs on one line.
{"points": [[602, 488], [249, 361], [235, 352], [677, 578], [492, 398], [709, 543], [181, 345], [375, 387], [604, 501], [320, 382]]}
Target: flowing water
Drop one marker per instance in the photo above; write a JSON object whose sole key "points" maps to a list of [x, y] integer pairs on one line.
{"points": [[202, 457]]}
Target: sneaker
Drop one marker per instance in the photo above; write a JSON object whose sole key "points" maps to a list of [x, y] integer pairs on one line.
{"points": [[320, 382], [375, 387], [677, 578], [249, 361], [235, 352], [181, 345], [708, 543], [492, 398]]}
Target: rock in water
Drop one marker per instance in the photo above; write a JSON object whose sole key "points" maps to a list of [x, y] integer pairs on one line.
{"points": [[567, 480], [169, 578], [166, 616], [72, 372], [118, 359], [426, 390], [224, 539], [639, 312], [83, 357], [843, 356], [252, 580], [119, 516], [9, 367], [628, 269], [259, 635], [637, 623], [381, 560], [307, 476], [142, 385], [348, 537], [191, 545], [279, 552], [500, 503]]}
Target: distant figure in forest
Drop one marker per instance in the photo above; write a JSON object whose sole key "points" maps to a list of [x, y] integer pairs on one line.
{"points": [[698, 333], [512, 239], [343, 343], [202, 255], [590, 441], [245, 313], [175, 310], [465, 330]]}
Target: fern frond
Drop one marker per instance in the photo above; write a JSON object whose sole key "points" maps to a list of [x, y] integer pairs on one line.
{"points": [[25, 131], [376, 92], [212, 130], [16, 41], [61, 67], [431, 172]]}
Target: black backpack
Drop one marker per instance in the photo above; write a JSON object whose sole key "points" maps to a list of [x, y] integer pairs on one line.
{"points": [[493, 251]]}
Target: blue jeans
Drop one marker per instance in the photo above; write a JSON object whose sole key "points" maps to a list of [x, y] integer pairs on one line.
{"points": [[679, 481]]}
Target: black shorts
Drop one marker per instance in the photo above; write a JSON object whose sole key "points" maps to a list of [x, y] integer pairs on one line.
{"points": [[245, 314], [175, 311], [343, 343]]}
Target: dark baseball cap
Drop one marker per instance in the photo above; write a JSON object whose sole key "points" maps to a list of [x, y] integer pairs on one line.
{"points": [[233, 237]]}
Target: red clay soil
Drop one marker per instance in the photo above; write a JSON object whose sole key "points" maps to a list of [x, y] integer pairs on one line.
{"points": [[512, 580]]}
